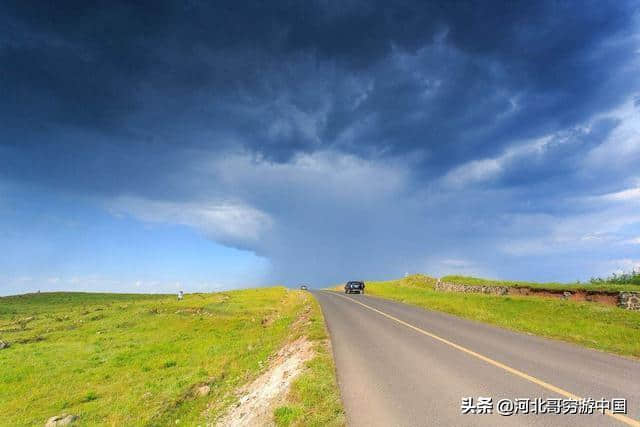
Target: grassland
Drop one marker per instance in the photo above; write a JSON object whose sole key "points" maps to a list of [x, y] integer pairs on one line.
{"points": [[592, 325], [603, 285], [138, 359]]}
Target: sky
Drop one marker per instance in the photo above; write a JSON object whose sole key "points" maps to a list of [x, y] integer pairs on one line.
{"points": [[158, 146]]}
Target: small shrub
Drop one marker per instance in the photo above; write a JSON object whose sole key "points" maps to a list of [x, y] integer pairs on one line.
{"points": [[90, 397], [632, 278]]}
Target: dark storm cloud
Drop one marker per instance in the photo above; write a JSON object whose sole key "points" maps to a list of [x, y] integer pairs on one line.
{"points": [[99, 68], [146, 100]]}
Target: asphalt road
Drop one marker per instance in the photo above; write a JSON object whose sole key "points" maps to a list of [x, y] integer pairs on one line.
{"points": [[400, 365]]}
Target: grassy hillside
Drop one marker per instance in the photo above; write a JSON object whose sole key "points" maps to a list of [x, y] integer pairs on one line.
{"points": [[595, 285], [592, 325], [136, 359]]}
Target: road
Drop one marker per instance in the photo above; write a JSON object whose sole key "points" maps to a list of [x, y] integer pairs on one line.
{"points": [[400, 365]]}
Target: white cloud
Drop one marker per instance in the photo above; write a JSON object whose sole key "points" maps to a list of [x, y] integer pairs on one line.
{"points": [[473, 172], [227, 222], [622, 148], [477, 171], [629, 194]]}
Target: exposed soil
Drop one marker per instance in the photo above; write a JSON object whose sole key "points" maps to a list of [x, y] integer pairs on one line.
{"points": [[603, 298], [258, 400], [607, 298]]}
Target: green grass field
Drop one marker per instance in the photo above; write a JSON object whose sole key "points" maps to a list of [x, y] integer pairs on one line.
{"points": [[593, 325], [137, 359], [602, 285]]}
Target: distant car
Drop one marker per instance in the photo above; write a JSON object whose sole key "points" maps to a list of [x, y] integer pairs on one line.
{"points": [[354, 287], [303, 287]]}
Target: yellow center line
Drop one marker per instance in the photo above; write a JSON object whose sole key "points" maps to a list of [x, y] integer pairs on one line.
{"points": [[558, 390]]}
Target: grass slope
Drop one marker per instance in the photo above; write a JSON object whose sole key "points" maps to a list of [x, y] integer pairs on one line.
{"points": [[137, 359], [314, 399], [593, 325], [596, 286]]}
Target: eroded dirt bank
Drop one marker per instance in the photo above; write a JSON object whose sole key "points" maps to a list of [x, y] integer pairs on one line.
{"points": [[257, 400]]}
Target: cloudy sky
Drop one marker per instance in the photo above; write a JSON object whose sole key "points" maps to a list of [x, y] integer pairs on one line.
{"points": [[212, 145]]}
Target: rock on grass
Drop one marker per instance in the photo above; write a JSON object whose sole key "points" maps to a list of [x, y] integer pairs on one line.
{"points": [[61, 420]]}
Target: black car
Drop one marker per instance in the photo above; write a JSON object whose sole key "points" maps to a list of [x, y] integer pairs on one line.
{"points": [[354, 287], [303, 287]]}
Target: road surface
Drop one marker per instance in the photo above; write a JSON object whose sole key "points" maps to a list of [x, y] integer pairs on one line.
{"points": [[400, 365]]}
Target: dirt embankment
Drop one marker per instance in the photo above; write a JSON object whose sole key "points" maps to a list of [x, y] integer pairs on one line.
{"points": [[258, 399], [628, 300], [608, 298]]}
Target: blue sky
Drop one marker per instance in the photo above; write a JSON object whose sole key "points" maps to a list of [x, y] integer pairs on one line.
{"points": [[66, 243], [151, 147]]}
